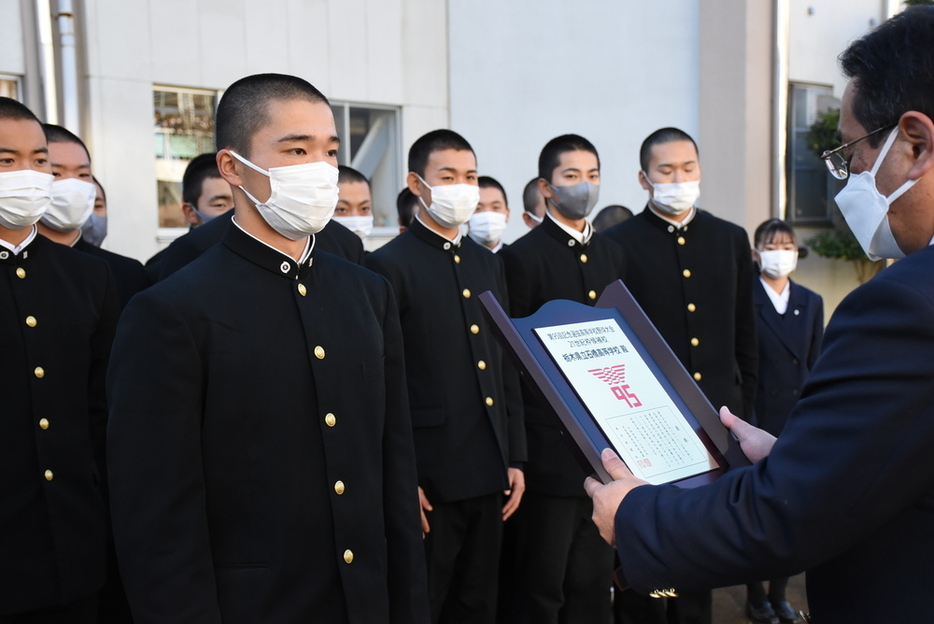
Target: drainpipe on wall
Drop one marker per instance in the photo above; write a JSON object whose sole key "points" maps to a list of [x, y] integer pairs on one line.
{"points": [[69, 66], [782, 13], [47, 60]]}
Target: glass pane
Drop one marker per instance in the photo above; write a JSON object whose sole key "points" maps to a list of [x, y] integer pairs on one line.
{"points": [[359, 127], [183, 124], [9, 88]]}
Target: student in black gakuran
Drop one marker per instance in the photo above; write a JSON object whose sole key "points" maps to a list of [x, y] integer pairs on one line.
{"points": [[466, 405], [260, 441], [563, 568]]}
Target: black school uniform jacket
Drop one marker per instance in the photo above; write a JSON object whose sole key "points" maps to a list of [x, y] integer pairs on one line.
{"points": [[465, 398], [334, 239], [129, 274], [56, 328], [260, 447], [547, 264], [789, 344], [695, 285]]}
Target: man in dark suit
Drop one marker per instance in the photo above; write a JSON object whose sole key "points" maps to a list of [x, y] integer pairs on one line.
{"points": [[56, 327], [261, 454], [847, 491], [563, 567], [692, 274], [466, 405], [73, 197]]}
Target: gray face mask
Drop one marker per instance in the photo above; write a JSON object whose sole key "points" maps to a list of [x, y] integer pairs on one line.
{"points": [[575, 201], [94, 230], [205, 218]]}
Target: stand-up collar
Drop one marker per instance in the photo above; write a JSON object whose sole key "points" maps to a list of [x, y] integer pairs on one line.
{"points": [[564, 235], [263, 255], [426, 234]]}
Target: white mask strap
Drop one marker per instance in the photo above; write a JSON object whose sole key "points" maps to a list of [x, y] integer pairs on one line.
{"points": [[885, 150], [249, 164]]}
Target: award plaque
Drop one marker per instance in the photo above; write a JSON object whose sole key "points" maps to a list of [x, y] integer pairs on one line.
{"points": [[612, 381]]}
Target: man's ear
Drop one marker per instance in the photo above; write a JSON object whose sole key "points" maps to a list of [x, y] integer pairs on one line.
{"points": [[411, 181], [643, 181], [226, 164], [545, 189], [919, 131], [190, 215]]}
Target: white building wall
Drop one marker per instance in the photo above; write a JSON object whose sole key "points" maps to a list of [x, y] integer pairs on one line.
{"points": [[525, 71], [818, 33], [390, 52]]}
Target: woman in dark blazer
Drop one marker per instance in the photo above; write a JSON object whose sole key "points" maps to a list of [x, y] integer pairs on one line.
{"points": [[790, 325]]}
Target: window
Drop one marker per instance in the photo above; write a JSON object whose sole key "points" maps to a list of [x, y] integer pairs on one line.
{"points": [[9, 86], [811, 188], [183, 123], [371, 144]]}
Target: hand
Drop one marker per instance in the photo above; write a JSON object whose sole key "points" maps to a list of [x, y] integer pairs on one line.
{"points": [[424, 506], [755, 443], [514, 493], [607, 498]]}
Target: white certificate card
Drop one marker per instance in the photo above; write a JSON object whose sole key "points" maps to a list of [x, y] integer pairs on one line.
{"points": [[636, 414]]}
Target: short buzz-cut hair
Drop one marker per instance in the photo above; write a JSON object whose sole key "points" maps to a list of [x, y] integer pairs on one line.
{"points": [[406, 205], [488, 182], [663, 135], [435, 141], [201, 167], [349, 175], [244, 107], [16, 111], [550, 157], [531, 196], [58, 134], [892, 69]]}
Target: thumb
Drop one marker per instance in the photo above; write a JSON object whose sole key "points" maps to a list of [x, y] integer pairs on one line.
{"points": [[734, 423], [614, 465]]}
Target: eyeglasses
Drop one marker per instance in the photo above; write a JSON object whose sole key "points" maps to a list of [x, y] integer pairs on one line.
{"points": [[836, 163]]}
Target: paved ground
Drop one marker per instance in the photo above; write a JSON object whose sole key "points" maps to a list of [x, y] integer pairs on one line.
{"points": [[729, 603]]}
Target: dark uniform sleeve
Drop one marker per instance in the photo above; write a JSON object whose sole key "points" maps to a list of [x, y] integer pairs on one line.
{"points": [[817, 332], [156, 476], [101, 344], [518, 451], [854, 455], [747, 345], [407, 575], [517, 284]]}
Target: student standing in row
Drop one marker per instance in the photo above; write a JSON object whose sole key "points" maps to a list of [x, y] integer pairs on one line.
{"points": [[56, 327], [790, 324], [466, 406], [260, 445], [563, 567]]}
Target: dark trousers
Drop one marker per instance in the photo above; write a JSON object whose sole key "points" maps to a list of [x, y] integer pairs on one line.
{"points": [[564, 567], [687, 608], [82, 611], [462, 551], [755, 592]]}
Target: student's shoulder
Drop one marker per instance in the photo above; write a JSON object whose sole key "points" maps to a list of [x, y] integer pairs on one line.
{"points": [[70, 261]]}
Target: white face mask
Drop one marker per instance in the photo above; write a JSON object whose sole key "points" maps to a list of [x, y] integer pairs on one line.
{"points": [[451, 204], [302, 197], [777, 263], [866, 209], [72, 204], [24, 196], [361, 226], [674, 198], [486, 228]]}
